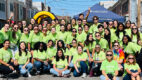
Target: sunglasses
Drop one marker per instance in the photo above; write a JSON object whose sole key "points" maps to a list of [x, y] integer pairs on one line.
{"points": [[80, 30], [130, 58], [108, 54], [97, 35]]}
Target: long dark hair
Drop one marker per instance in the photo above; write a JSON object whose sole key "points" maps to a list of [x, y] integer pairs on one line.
{"points": [[37, 46], [126, 24], [129, 39], [118, 31], [87, 39], [14, 33], [63, 45], [20, 52], [138, 34], [108, 37], [62, 57]]}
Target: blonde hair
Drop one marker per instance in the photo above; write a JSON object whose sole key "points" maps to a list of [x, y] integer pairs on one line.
{"points": [[127, 59]]}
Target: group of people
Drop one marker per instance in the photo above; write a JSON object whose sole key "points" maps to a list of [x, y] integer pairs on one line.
{"points": [[107, 49]]}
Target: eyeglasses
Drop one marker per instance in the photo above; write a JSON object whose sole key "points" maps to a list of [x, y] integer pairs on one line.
{"points": [[15, 27], [108, 54], [130, 58], [79, 29], [97, 35], [134, 28], [25, 30], [73, 31]]}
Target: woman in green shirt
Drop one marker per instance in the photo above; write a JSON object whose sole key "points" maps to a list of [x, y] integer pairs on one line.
{"points": [[120, 32], [60, 65], [130, 47], [22, 58], [25, 36], [14, 39], [41, 58], [128, 28], [80, 63], [109, 67], [132, 69], [136, 36]]}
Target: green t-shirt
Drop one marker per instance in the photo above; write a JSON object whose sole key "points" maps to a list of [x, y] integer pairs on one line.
{"points": [[120, 38], [94, 28], [34, 38], [53, 37], [81, 37], [99, 56], [15, 41], [51, 52], [132, 48], [44, 38], [1, 38], [57, 28], [90, 46], [62, 36], [109, 67], [130, 67], [6, 34], [103, 43], [24, 38], [128, 32], [61, 63], [67, 53], [40, 55], [69, 39], [73, 51], [80, 56], [134, 38], [23, 58], [5, 55]]}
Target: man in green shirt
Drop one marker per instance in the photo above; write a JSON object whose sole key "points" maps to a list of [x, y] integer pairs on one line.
{"points": [[6, 61]]}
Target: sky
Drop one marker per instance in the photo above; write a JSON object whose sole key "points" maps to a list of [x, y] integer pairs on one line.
{"points": [[69, 7]]}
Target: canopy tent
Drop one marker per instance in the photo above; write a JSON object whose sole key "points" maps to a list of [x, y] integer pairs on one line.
{"points": [[102, 13]]}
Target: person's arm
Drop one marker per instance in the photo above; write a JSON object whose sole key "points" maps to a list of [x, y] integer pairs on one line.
{"points": [[54, 67], [81, 44], [98, 61], [120, 61], [86, 17], [4, 63], [93, 52], [88, 53], [76, 68], [104, 73], [128, 71], [26, 63], [69, 59], [64, 68], [38, 59], [29, 47]]}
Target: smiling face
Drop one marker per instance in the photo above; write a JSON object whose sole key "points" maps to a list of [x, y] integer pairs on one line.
{"points": [[26, 30], [36, 29], [15, 28], [98, 36], [109, 56], [6, 44], [125, 40], [22, 46], [131, 59], [60, 53], [134, 29], [79, 49]]}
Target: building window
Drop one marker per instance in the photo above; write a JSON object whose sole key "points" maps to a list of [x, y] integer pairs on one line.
{"points": [[11, 7], [125, 7], [2, 7]]}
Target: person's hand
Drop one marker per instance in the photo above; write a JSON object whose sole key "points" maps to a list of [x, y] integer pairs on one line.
{"points": [[134, 74], [45, 62], [114, 78], [11, 14], [140, 43], [90, 59], [89, 9], [77, 71], [23, 67], [60, 73], [15, 63], [107, 78], [11, 68]]}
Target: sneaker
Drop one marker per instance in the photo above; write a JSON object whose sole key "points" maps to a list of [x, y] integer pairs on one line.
{"points": [[84, 75], [29, 75], [38, 72]]}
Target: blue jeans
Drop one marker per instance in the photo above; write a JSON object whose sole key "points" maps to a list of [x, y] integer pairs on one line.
{"points": [[28, 68], [128, 76], [102, 77], [38, 65], [83, 69], [54, 72]]}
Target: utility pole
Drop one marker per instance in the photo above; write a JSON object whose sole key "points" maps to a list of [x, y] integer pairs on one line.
{"points": [[139, 14]]}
